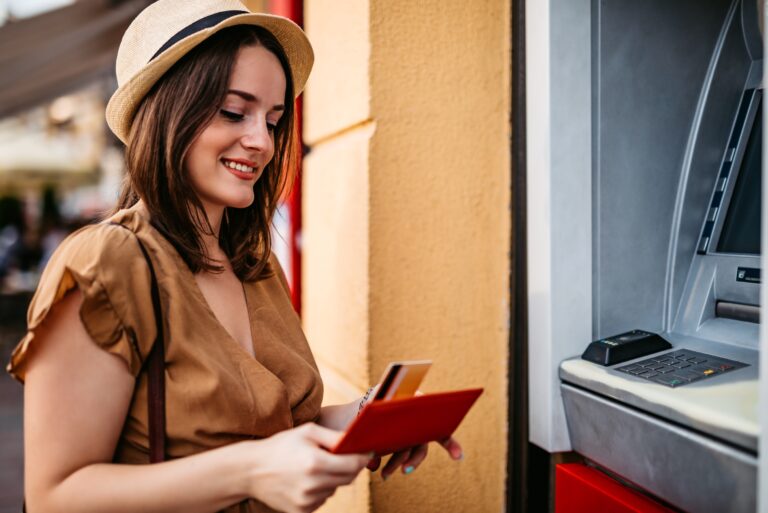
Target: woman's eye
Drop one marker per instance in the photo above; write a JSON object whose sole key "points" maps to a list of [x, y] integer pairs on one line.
{"points": [[232, 116], [272, 127]]}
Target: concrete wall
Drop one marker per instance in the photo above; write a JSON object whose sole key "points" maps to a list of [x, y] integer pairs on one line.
{"points": [[407, 223]]}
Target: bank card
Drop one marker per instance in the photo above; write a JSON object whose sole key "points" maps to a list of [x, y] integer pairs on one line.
{"points": [[402, 379]]}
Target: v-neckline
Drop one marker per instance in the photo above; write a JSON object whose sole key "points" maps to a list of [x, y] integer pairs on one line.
{"points": [[240, 350], [207, 306]]}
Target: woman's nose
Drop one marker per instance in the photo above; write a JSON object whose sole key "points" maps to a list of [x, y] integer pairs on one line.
{"points": [[257, 137]]}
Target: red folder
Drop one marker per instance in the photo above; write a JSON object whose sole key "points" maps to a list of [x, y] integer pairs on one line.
{"points": [[384, 427]]}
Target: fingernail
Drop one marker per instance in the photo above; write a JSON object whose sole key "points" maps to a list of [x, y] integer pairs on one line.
{"points": [[461, 457], [371, 455], [408, 469]]}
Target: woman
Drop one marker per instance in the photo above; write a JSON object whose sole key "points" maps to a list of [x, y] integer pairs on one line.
{"points": [[205, 107]]}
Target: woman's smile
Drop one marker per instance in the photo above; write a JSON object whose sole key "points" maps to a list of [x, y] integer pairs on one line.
{"points": [[245, 170]]}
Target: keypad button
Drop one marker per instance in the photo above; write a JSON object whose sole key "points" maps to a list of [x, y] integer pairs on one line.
{"points": [[667, 370], [670, 380]]}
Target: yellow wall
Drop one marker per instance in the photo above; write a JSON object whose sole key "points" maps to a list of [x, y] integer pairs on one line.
{"points": [[407, 223]]}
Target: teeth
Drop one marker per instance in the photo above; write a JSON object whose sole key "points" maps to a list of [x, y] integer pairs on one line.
{"points": [[239, 167]]}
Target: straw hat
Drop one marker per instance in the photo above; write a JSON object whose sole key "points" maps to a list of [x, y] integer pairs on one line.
{"points": [[168, 29]]}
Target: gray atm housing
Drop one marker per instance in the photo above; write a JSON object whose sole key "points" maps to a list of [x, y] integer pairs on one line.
{"points": [[667, 80]]}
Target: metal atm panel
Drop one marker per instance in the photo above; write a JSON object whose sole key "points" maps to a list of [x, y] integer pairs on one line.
{"points": [[668, 79]]}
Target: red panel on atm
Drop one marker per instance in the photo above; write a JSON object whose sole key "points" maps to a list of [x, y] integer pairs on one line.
{"points": [[582, 489]]}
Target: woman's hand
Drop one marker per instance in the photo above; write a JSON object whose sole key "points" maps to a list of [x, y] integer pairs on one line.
{"points": [[294, 472], [410, 459]]}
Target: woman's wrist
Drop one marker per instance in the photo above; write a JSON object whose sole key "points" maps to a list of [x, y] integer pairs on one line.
{"points": [[366, 399], [246, 463]]}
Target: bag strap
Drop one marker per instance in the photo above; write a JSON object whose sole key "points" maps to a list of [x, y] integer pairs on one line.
{"points": [[155, 365]]}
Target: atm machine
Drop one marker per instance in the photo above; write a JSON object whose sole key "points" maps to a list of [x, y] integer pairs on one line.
{"points": [[644, 138]]}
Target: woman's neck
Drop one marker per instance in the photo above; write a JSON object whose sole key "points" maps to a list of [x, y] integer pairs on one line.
{"points": [[210, 239]]}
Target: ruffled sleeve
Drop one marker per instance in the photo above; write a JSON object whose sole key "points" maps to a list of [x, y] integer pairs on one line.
{"points": [[106, 264]]}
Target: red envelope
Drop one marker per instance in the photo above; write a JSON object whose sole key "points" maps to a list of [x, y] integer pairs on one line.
{"points": [[388, 426]]}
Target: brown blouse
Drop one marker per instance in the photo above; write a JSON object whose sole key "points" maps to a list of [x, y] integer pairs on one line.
{"points": [[216, 393]]}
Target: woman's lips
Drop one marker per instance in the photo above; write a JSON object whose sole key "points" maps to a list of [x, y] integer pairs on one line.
{"points": [[240, 169]]}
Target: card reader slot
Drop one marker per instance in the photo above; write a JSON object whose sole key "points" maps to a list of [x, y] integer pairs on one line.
{"points": [[738, 311]]}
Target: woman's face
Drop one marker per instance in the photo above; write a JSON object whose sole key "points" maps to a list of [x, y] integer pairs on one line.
{"points": [[230, 154]]}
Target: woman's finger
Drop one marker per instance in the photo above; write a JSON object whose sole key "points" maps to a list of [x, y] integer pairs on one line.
{"points": [[454, 449], [326, 485], [418, 454], [374, 464], [395, 461], [342, 464], [320, 435]]}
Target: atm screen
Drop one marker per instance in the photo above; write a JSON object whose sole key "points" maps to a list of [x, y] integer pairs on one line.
{"points": [[741, 227]]}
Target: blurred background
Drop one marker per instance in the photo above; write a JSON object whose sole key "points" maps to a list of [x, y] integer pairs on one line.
{"points": [[60, 166]]}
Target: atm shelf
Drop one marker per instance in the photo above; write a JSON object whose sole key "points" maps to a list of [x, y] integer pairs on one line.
{"points": [[723, 406]]}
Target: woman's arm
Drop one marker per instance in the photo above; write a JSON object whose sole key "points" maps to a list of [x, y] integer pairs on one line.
{"points": [[76, 400]]}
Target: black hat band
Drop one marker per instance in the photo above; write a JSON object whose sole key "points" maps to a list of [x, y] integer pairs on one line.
{"points": [[201, 24]]}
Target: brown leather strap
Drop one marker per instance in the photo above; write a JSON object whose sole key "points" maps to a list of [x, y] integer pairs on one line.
{"points": [[156, 375], [155, 366]]}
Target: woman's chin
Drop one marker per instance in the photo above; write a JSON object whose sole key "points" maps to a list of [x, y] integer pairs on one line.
{"points": [[243, 202]]}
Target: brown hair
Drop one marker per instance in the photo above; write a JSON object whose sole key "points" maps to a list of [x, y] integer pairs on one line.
{"points": [[167, 122]]}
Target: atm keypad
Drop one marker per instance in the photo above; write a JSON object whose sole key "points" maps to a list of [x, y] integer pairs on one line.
{"points": [[680, 367]]}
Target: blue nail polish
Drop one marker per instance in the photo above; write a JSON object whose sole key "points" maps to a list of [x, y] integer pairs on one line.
{"points": [[408, 469]]}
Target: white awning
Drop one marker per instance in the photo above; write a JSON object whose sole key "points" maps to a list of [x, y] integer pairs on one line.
{"points": [[56, 52]]}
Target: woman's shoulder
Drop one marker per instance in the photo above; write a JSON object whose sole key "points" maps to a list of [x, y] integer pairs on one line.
{"points": [[274, 271], [113, 238], [106, 255], [103, 243], [104, 262]]}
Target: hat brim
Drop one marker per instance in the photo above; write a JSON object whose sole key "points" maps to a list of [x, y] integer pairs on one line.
{"points": [[122, 106]]}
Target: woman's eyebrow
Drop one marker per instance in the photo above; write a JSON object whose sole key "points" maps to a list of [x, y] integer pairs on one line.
{"points": [[251, 98]]}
